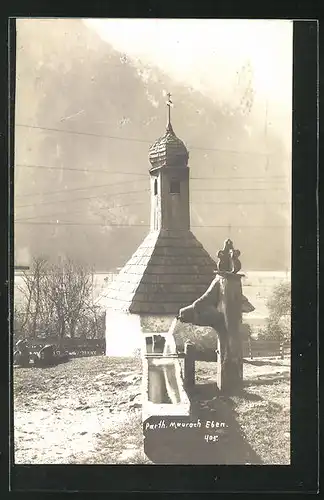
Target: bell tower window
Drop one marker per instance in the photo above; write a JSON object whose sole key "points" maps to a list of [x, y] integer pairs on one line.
{"points": [[155, 187], [175, 186]]}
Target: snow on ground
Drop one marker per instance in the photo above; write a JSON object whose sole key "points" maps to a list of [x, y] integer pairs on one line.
{"points": [[89, 411]]}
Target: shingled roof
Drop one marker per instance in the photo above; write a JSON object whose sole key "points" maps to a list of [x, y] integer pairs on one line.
{"points": [[168, 151], [169, 270]]}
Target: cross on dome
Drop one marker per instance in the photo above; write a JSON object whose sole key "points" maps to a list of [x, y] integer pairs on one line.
{"points": [[168, 150], [169, 104]]}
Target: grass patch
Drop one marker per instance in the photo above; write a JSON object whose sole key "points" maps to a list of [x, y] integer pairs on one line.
{"points": [[124, 445], [263, 409]]}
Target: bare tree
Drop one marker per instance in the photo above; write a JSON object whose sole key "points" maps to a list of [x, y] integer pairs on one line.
{"points": [[59, 300], [31, 290], [69, 288]]}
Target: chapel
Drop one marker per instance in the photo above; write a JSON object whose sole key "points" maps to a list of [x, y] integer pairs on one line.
{"points": [[170, 269]]}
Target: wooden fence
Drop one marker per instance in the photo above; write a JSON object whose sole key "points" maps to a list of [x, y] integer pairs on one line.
{"points": [[97, 347], [265, 348], [75, 347], [253, 349]]}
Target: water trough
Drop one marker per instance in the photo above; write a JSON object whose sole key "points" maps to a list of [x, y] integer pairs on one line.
{"points": [[165, 400], [163, 387]]}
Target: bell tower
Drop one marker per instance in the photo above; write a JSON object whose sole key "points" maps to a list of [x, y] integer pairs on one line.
{"points": [[169, 174]]}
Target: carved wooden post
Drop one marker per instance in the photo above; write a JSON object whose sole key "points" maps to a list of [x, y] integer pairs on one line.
{"points": [[219, 365], [231, 377], [232, 366], [189, 365], [220, 307]]}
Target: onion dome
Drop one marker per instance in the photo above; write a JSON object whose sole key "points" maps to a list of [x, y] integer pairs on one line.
{"points": [[168, 150]]}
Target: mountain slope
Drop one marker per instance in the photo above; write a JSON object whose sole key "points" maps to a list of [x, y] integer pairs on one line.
{"points": [[70, 80]]}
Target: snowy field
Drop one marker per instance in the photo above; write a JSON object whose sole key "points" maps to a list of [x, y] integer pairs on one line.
{"points": [[89, 411]]}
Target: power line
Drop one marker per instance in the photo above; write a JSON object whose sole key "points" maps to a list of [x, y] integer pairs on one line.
{"points": [[236, 189], [105, 171], [90, 134], [206, 203], [238, 203], [259, 203], [131, 139], [79, 189], [61, 191], [229, 189], [253, 226], [48, 223], [242, 177], [80, 198], [147, 190], [80, 211], [53, 223]]}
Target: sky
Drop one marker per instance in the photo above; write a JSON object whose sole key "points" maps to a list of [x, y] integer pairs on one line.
{"points": [[206, 54]]}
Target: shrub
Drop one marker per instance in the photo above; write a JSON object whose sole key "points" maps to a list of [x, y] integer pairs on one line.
{"points": [[203, 337], [279, 305]]}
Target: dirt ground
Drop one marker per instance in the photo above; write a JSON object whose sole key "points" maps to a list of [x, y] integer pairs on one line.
{"points": [[61, 412], [88, 410]]}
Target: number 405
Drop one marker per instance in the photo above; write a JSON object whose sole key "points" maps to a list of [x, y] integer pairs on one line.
{"points": [[211, 439]]}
